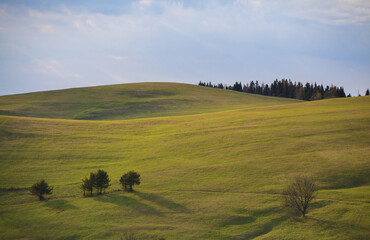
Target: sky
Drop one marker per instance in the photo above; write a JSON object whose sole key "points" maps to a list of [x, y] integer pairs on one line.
{"points": [[47, 45]]}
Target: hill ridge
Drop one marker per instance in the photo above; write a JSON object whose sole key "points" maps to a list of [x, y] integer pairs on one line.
{"points": [[129, 101]]}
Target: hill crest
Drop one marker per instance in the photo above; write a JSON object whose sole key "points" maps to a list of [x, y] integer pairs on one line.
{"points": [[129, 101]]}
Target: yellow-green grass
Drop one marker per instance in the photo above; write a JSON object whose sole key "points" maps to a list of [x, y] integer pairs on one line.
{"points": [[206, 176], [128, 101]]}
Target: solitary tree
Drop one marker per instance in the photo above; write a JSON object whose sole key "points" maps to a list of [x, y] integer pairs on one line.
{"points": [[101, 181], [40, 189], [299, 194], [128, 180], [367, 92], [88, 184]]}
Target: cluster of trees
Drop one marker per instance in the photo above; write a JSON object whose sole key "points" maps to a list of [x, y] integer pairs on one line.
{"points": [[285, 88], [98, 180], [298, 195]]}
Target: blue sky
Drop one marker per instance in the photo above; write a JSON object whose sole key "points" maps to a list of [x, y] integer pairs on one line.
{"points": [[62, 44]]}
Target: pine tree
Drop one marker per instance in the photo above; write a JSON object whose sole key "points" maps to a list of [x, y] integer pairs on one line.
{"points": [[88, 184], [101, 181], [40, 189]]}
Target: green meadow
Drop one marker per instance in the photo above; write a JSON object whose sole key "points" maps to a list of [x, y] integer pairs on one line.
{"points": [[129, 101], [213, 163]]}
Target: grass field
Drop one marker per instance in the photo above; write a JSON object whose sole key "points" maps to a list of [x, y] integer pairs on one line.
{"points": [[128, 101], [215, 175]]}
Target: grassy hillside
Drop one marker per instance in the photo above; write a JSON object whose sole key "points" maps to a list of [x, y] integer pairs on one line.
{"points": [[206, 176], [127, 101]]}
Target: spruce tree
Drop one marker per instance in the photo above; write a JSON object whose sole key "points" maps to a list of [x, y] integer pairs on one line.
{"points": [[40, 189], [101, 181], [88, 184]]}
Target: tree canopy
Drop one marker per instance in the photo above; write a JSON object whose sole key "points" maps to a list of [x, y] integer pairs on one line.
{"points": [[128, 180], [40, 189]]}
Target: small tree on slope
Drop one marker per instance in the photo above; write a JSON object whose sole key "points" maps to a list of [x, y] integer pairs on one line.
{"points": [[101, 181], [128, 180], [40, 189], [299, 194], [88, 184]]}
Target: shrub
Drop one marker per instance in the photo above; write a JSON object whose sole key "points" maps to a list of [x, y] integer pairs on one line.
{"points": [[128, 180], [40, 189]]}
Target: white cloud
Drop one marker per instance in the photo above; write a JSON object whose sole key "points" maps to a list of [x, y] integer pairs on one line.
{"points": [[91, 23], [145, 2], [53, 67], [46, 15], [77, 24], [117, 58], [332, 11], [169, 39], [46, 28]]}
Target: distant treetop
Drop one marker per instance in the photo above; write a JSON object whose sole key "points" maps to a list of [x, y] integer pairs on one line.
{"points": [[285, 88]]}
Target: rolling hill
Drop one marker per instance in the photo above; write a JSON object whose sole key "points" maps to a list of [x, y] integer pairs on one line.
{"points": [[128, 101], [216, 174]]}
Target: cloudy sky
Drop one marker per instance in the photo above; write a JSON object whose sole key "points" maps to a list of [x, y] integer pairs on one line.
{"points": [[61, 44]]}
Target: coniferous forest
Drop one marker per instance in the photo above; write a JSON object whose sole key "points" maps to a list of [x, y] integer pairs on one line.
{"points": [[284, 88]]}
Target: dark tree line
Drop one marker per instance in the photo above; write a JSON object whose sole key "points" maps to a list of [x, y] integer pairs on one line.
{"points": [[284, 88]]}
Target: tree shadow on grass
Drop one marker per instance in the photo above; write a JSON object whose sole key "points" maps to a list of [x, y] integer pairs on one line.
{"points": [[351, 230], [347, 179], [128, 202], [252, 216], [60, 205], [237, 220], [162, 202], [262, 230], [71, 237]]}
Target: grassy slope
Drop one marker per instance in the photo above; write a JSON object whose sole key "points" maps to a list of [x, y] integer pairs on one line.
{"points": [[206, 176], [128, 101]]}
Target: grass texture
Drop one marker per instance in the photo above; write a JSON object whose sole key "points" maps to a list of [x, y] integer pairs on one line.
{"points": [[212, 175]]}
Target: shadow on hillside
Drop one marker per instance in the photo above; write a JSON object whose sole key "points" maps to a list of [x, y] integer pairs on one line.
{"points": [[348, 179], [249, 216], [262, 230], [237, 220], [70, 237], [59, 204], [355, 230], [128, 202], [162, 202]]}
